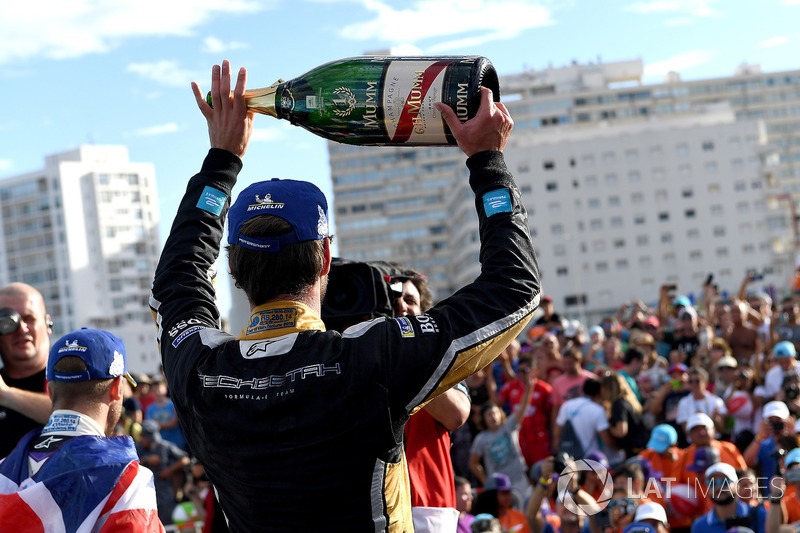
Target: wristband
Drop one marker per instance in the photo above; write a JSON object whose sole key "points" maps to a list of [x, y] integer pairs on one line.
{"points": [[775, 499], [543, 481]]}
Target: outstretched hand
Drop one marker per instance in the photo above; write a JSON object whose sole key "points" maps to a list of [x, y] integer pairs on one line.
{"points": [[230, 124], [489, 129]]}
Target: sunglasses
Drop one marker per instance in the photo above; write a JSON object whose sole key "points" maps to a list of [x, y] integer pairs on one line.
{"points": [[718, 483], [695, 380], [621, 502]]}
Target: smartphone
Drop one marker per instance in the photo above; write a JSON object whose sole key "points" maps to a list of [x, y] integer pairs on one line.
{"points": [[671, 287], [709, 279]]}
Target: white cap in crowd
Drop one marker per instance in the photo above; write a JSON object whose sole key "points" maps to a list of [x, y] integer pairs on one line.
{"points": [[651, 511], [723, 468], [775, 408], [699, 419]]}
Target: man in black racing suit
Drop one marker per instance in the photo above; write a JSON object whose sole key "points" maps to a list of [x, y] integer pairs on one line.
{"points": [[299, 428]]}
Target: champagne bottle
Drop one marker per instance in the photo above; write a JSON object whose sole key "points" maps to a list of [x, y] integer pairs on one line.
{"points": [[380, 100]]}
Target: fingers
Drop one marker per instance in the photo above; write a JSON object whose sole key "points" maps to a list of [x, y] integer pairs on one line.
{"points": [[238, 93], [200, 99], [225, 82], [215, 98], [449, 117]]}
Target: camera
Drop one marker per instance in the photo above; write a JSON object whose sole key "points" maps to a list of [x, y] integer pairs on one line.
{"points": [[791, 391], [359, 291], [560, 461], [777, 425]]}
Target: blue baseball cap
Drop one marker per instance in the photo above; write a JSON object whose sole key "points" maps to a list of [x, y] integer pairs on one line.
{"points": [[639, 527], [662, 437], [792, 457], [682, 300], [299, 203], [102, 352], [784, 349]]}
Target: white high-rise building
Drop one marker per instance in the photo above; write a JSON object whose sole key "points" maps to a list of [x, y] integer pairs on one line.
{"points": [[84, 231], [628, 185]]}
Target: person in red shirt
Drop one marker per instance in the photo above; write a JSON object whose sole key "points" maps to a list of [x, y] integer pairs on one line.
{"points": [[534, 433], [430, 468]]}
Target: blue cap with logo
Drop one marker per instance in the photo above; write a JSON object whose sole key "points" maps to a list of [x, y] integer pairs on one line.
{"points": [[784, 349], [102, 352], [662, 437], [299, 203], [639, 527]]}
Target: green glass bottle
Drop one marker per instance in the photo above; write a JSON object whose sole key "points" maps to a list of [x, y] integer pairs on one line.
{"points": [[380, 100]]}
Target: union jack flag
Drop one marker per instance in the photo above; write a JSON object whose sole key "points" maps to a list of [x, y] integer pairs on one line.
{"points": [[89, 485]]}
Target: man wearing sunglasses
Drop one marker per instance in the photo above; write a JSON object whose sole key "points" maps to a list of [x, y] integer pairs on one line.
{"points": [[24, 346], [728, 511]]}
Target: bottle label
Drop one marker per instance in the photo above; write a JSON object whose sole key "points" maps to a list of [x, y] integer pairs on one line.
{"points": [[410, 90]]}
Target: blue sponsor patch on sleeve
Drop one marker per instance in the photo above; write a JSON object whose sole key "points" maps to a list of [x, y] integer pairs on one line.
{"points": [[406, 329], [498, 201], [212, 200]]}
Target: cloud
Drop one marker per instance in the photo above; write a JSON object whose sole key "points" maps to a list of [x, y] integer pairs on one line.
{"points": [[161, 129], [267, 134], [679, 63], [775, 41], [691, 8], [428, 19], [6, 164], [55, 29], [216, 46], [164, 72]]}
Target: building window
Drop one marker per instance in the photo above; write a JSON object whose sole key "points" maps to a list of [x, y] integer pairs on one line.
{"points": [[638, 220], [613, 200], [722, 252], [557, 229], [622, 264], [631, 155], [601, 266], [716, 210], [687, 193], [561, 271], [719, 231], [634, 176], [619, 243], [693, 233], [596, 224], [611, 179], [708, 146], [551, 186], [666, 238], [616, 222], [642, 240], [593, 203], [696, 255], [549, 165], [663, 216], [711, 167], [559, 250], [591, 181], [682, 149], [689, 213], [637, 198]]}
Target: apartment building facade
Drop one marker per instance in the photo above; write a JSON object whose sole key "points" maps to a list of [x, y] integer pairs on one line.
{"points": [[84, 231], [719, 141]]}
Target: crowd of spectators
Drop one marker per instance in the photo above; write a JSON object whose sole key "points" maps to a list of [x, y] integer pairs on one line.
{"points": [[687, 404]]}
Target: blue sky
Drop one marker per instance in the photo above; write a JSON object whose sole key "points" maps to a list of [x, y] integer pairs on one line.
{"points": [[118, 71]]}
